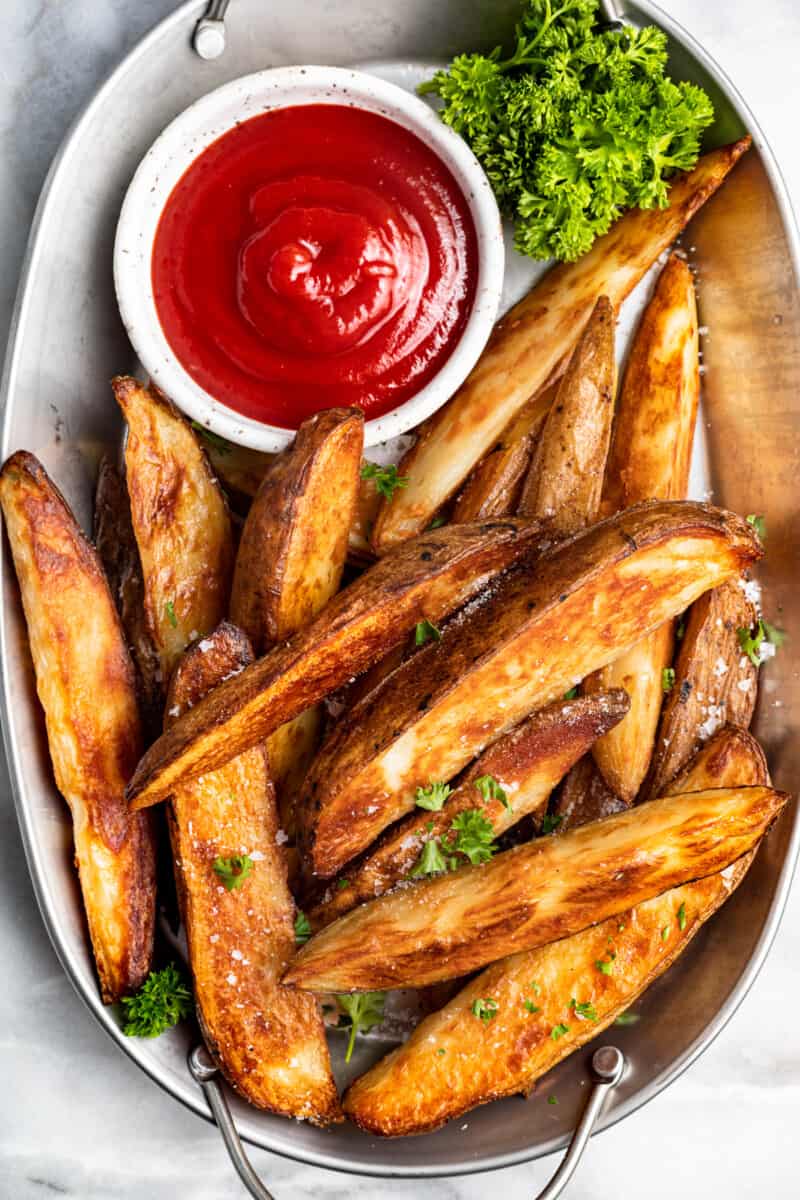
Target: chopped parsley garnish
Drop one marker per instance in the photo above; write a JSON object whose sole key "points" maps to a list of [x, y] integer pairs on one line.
{"points": [[680, 629], [436, 523], [550, 822], [758, 523], [604, 966], [620, 928], [665, 933], [667, 679], [386, 479], [433, 796], [364, 1010], [162, 1001], [490, 789], [485, 1009], [626, 1018], [682, 917], [302, 928], [474, 836], [572, 693], [441, 1051], [752, 643], [531, 1007], [234, 870], [426, 632], [535, 988], [586, 1011], [558, 1031], [431, 861], [169, 609], [341, 884], [220, 444], [577, 124], [552, 1100]]}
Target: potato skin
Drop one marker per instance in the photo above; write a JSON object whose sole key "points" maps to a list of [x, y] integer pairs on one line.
{"points": [[494, 487], [530, 345], [415, 1090], [565, 478], [80, 656], [425, 579], [714, 682], [294, 542], [540, 629], [527, 763], [650, 457], [180, 520], [116, 544], [584, 796], [268, 1041]]}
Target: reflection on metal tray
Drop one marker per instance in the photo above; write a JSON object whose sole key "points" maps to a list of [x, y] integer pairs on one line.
{"points": [[68, 342]]}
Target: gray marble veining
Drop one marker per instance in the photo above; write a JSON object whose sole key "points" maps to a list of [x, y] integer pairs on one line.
{"points": [[76, 1118]]}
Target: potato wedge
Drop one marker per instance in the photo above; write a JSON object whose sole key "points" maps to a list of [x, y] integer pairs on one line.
{"points": [[414, 1090], [180, 519], [426, 579], [493, 489], [527, 764], [529, 347], [294, 542], [87, 687], [268, 1041], [116, 544], [583, 796], [714, 682], [452, 924], [541, 629], [565, 477], [239, 469], [650, 457]]}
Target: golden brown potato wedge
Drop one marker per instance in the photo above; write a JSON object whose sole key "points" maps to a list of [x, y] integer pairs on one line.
{"points": [[493, 489], [649, 460], [291, 749], [180, 519], [87, 688], [452, 1062], [239, 469], [541, 629], [268, 1041], [116, 544], [424, 580], [527, 764], [529, 347], [583, 796], [360, 545], [565, 477], [451, 924], [714, 682], [294, 542]]}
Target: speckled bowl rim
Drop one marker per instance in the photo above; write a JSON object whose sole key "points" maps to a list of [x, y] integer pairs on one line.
{"points": [[208, 119]]}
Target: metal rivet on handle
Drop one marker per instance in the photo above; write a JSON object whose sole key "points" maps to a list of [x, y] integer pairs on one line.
{"points": [[209, 32]]}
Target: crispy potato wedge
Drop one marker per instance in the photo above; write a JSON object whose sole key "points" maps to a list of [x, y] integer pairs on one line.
{"points": [[527, 764], [565, 477], [360, 545], [180, 519], [414, 1090], [529, 347], [583, 796], [290, 561], [116, 544], [541, 628], [649, 460], [714, 682], [239, 469], [268, 1041], [494, 487], [294, 542], [87, 687], [426, 579], [451, 924]]}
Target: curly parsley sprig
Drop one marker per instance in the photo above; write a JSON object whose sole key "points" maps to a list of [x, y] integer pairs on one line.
{"points": [[162, 1001], [579, 123]]}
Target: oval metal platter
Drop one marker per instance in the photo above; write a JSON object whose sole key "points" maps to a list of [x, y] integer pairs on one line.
{"points": [[68, 341]]}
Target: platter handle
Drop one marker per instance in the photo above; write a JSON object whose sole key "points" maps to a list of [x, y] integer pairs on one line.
{"points": [[608, 1065]]}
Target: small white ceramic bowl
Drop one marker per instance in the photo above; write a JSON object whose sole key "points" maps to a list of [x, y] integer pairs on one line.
{"points": [[200, 125]]}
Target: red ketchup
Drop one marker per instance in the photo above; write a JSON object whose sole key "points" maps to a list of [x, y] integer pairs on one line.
{"points": [[314, 256]]}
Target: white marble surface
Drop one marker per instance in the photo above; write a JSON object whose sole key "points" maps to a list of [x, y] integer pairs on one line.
{"points": [[78, 1119]]}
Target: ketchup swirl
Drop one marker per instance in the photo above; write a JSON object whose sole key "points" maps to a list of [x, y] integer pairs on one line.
{"points": [[314, 256]]}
